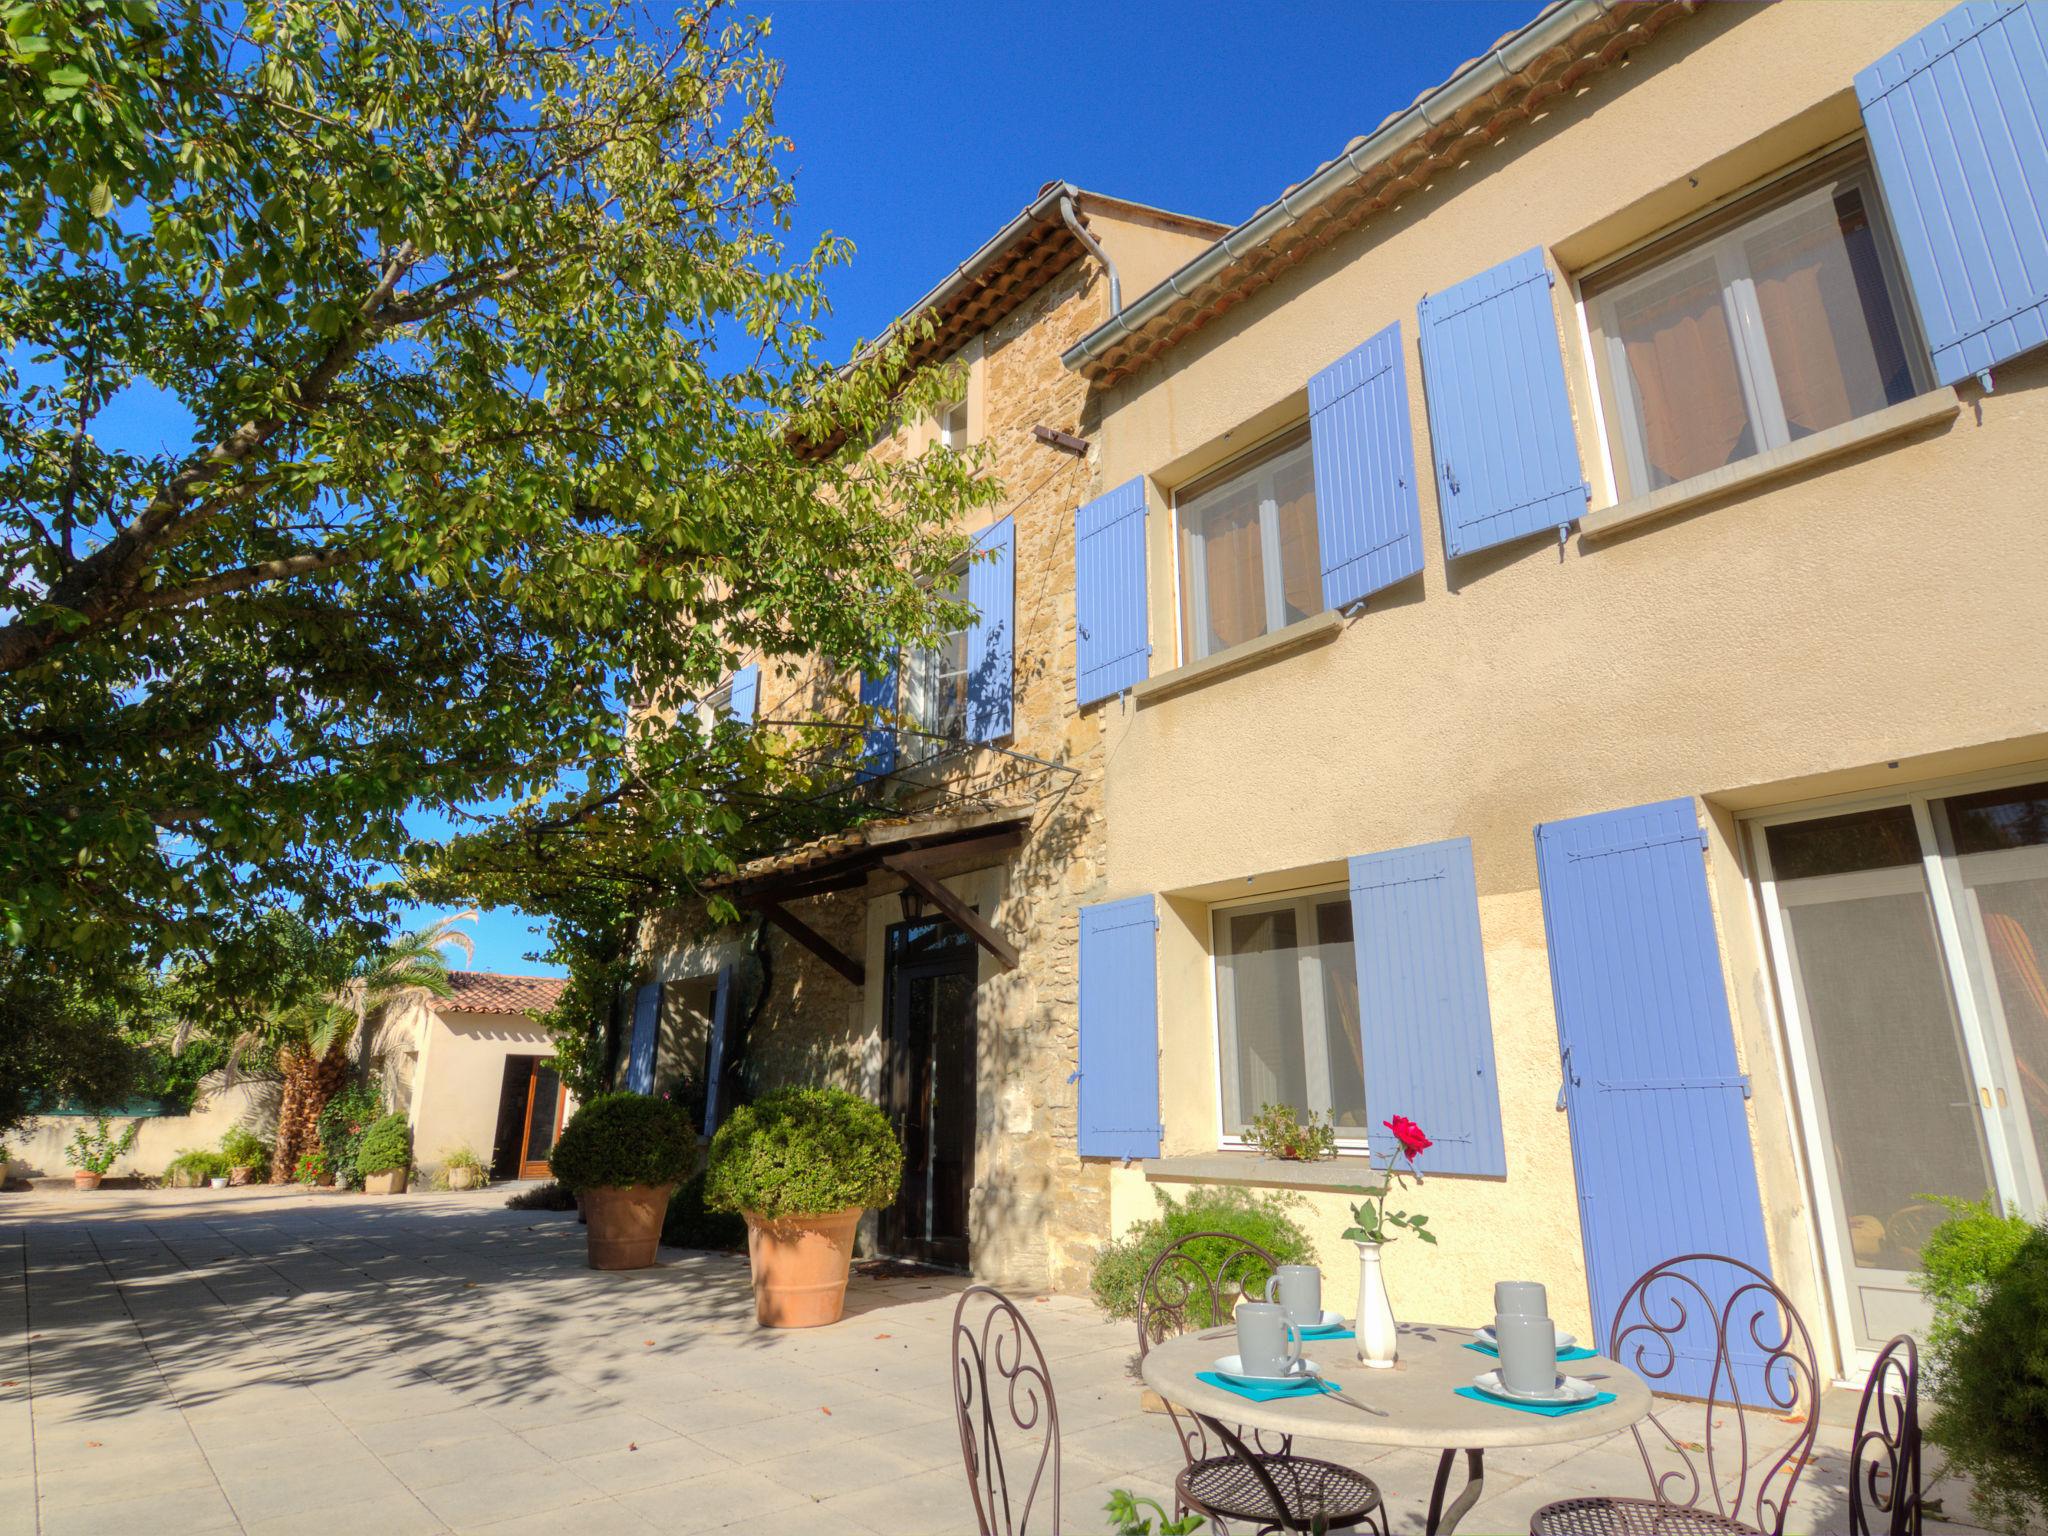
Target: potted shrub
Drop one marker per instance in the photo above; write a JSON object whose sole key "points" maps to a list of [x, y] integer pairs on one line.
{"points": [[193, 1167], [801, 1165], [246, 1155], [385, 1156], [623, 1154], [93, 1152], [464, 1169]]}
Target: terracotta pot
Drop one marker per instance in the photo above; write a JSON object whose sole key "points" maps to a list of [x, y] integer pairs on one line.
{"points": [[391, 1183], [240, 1176], [800, 1265], [83, 1180], [465, 1178], [624, 1224], [181, 1178]]}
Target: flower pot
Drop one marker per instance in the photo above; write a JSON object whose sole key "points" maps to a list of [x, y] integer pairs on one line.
{"points": [[390, 1182], [1378, 1341], [240, 1176], [624, 1223], [84, 1180], [800, 1265], [219, 1181], [183, 1178], [465, 1178]]}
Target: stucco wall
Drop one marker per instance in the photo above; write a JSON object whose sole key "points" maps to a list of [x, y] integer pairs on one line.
{"points": [[1790, 641], [37, 1149], [458, 1076]]}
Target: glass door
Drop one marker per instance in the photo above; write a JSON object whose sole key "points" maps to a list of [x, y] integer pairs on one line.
{"points": [[1909, 939]]}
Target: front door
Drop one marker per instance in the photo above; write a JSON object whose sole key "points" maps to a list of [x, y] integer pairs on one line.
{"points": [[929, 1082], [1911, 946], [545, 1099]]}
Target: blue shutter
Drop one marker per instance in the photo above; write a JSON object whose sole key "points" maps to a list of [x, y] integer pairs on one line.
{"points": [[1660, 1136], [878, 745], [714, 1065], [992, 589], [646, 1035], [1112, 645], [1368, 516], [1958, 124], [746, 694], [1118, 1110], [1422, 1007], [1500, 420]]}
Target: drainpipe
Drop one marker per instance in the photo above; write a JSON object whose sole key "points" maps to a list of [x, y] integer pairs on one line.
{"points": [[1094, 248]]}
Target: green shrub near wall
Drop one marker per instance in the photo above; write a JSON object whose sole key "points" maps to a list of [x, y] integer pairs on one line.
{"points": [[618, 1140], [690, 1225], [347, 1116], [804, 1152], [1121, 1266], [386, 1147]]}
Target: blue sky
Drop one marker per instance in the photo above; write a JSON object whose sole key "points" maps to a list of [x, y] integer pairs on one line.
{"points": [[922, 126]]}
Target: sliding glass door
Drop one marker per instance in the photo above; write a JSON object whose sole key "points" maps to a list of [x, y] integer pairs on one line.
{"points": [[1910, 941]]}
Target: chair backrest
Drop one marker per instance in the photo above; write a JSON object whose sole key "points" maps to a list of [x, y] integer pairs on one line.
{"points": [[1197, 1282], [1002, 1392], [1702, 1305], [1884, 1455]]}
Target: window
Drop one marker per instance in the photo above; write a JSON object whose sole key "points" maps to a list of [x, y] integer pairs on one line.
{"points": [[1780, 317], [1248, 552], [1287, 1011], [953, 425], [935, 686]]}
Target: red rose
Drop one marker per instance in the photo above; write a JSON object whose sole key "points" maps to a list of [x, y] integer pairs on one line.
{"points": [[1409, 1134]]}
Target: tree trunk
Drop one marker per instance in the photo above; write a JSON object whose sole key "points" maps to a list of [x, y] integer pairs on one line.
{"points": [[298, 1068]]}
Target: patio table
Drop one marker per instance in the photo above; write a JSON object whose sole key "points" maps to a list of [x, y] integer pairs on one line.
{"points": [[1413, 1404]]}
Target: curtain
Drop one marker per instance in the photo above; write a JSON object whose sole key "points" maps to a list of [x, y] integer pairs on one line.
{"points": [[1801, 271], [1301, 571], [1683, 364], [1235, 572]]}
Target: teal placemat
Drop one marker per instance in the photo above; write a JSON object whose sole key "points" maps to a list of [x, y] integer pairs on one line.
{"points": [[1547, 1410], [1576, 1352], [1327, 1331], [1311, 1386]]}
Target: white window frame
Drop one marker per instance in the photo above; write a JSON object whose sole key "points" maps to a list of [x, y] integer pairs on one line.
{"points": [[918, 687], [1191, 555], [2007, 1136], [1314, 1022], [1743, 217], [954, 426]]}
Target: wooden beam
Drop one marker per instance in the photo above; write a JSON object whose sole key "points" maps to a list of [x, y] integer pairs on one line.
{"points": [[988, 937], [815, 942], [1000, 841]]}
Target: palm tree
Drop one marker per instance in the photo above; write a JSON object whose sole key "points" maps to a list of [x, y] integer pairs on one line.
{"points": [[314, 1039]]}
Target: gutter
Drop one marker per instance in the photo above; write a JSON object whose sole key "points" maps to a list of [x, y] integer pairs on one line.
{"points": [[1477, 79]]}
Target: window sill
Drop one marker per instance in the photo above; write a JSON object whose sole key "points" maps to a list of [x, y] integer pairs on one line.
{"points": [[1314, 630], [1935, 408], [1346, 1172]]}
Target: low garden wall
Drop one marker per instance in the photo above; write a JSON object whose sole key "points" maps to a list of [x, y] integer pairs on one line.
{"points": [[37, 1149]]}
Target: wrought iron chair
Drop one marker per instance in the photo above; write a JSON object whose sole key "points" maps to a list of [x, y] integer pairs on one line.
{"points": [[1197, 1283], [1001, 1389], [1884, 1458], [1669, 1315]]}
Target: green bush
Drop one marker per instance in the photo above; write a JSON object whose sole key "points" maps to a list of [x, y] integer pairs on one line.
{"points": [[97, 1150], [342, 1123], [199, 1164], [689, 1225], [618, 1140], [243, 1148], [1988, 1359], [803, 1152], [386, 1147], [551, 1196], [1121, 1266]]}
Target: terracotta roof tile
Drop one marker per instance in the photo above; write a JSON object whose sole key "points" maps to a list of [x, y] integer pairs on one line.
{"points": [[490, 992]]}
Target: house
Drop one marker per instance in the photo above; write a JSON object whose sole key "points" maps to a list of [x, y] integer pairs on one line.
{"points": [[1562, 604], [475, 1070], [926, 958]]}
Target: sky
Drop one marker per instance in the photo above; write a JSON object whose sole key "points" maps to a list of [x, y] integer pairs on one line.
{"points": [[922, 126]]}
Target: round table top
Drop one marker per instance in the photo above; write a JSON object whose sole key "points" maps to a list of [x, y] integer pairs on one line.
{"points": [[1415, 1403]]}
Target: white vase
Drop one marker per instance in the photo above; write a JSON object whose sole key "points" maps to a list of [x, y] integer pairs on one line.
{"points": [[1378, 1343]]}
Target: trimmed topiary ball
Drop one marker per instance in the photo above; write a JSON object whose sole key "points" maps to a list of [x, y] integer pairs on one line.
{"points": [[804, 1152], [618, 1140], [386, 1147]]}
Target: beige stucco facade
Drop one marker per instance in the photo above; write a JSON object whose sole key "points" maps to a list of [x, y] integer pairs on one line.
{"points": [[1871, 621], [450, 1076]]}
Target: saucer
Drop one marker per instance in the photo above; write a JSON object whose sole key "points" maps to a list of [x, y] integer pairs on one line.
{"points": [[1230, 1368], [1564, 1340], [1569, 1389], [1330, 1321]]}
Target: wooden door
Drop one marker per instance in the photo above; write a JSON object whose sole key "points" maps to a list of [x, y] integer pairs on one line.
{"points": [[546, 1097], [929, 1089]]}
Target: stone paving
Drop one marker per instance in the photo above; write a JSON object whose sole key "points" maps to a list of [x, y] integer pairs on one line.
{"points": [[273, 1361]]}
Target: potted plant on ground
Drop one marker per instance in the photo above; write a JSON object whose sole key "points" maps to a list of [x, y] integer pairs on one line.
{"points": [[193, 1167], [801, 1165], [624, 1154], [463, 1169], [94, 1152], [247, 1155], [385, 1156]]}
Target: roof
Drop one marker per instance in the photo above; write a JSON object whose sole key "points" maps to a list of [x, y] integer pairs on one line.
{"points": [[490, 992], [1481, 99], [843, 858]]}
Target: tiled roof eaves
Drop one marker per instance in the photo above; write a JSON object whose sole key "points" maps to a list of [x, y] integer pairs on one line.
{"points": [[1552, 54]]}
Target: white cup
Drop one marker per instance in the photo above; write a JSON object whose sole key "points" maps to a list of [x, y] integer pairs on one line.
{"points": [[1520, 1298], [1298, 1288], [1528, 1352], [1267, 1344]]}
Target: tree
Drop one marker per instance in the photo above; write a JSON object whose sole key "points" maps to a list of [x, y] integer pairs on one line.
{"points": [[62, 1035], [506, 424]]}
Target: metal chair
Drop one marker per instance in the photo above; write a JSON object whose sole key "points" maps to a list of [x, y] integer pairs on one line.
{"points": [[1197, 1283], [1663, 1319], [1884, 1458], [1001, 1388]]}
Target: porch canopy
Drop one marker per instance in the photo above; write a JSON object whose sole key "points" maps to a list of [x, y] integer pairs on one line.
{"points": [[911, 848]]}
